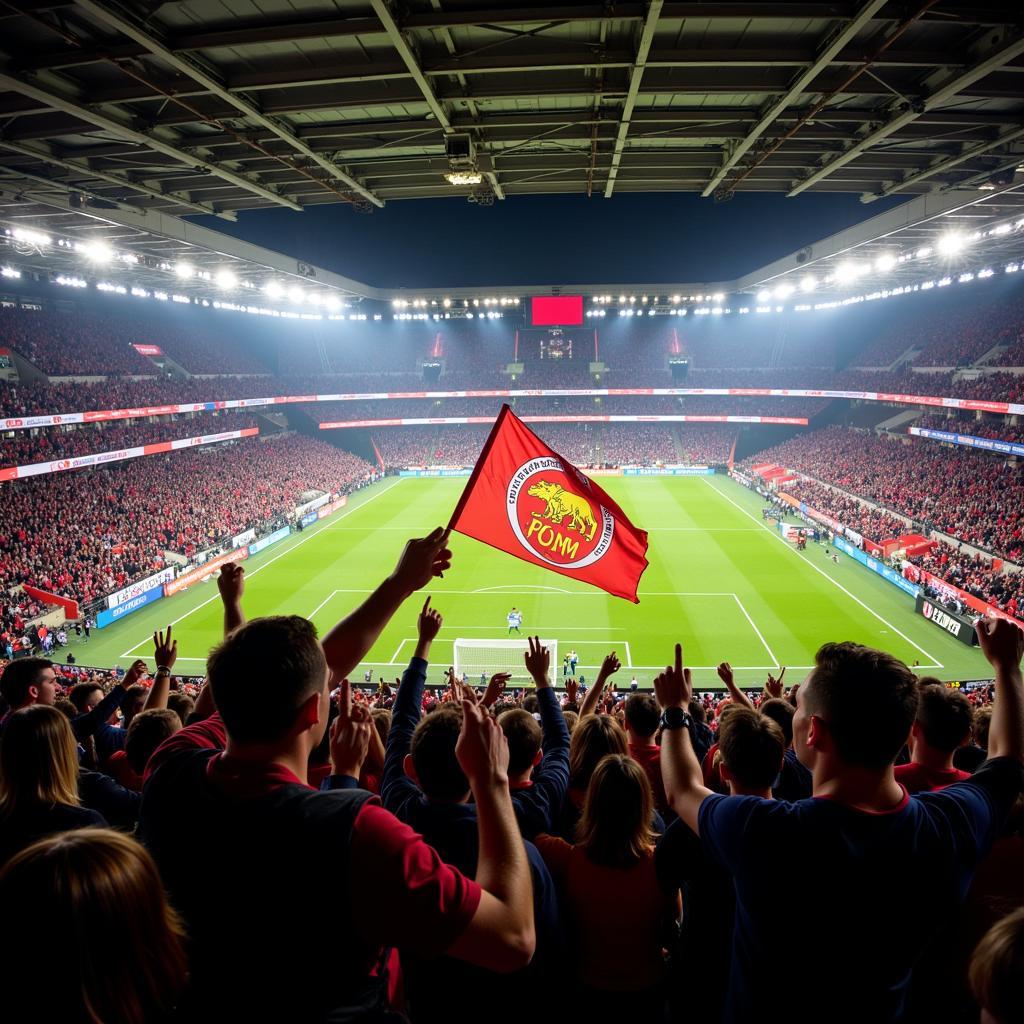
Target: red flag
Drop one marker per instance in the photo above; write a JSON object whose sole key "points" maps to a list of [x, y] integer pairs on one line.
{"points": [[524, 498]]}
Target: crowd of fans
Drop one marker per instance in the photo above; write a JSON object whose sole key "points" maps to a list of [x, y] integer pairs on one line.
{"points": [[26, 447], [875, 524], [970, 495], [998, 429], [542, 853], [82, 534], [83, 344]]}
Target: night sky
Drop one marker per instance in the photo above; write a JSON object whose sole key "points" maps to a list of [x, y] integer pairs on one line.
{"points": [[552, 239]]}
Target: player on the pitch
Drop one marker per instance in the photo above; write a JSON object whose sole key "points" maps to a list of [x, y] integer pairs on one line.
{"points": [[515, 620]]}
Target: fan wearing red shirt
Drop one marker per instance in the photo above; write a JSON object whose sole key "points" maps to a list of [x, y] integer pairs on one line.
{"points": [[292, 897], [942, 727], [642, 717]]}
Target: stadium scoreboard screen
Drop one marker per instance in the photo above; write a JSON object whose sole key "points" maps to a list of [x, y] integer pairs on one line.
{"points": [[556, 311]]}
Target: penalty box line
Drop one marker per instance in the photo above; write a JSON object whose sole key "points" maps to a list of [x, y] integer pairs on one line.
{"points": [[935, 663]]}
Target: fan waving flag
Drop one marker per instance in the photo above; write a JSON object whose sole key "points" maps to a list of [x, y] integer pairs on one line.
{"points": [[524, 498]]}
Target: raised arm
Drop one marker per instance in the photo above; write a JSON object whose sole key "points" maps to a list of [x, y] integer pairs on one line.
{"points": [[165, 654], [347, 643], [501, 935], [1002, 643], [609, 667], [231, 584], [680, 769], [87, 724], [738, 696]]}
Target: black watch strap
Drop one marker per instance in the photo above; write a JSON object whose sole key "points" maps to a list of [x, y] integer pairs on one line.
{"points": [[676, 718]]}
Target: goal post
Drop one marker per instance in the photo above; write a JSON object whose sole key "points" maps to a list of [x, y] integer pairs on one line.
{"points": [[485, 657]]}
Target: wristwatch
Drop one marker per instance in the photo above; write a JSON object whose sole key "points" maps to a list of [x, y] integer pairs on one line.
{"points": [[676, 718]]}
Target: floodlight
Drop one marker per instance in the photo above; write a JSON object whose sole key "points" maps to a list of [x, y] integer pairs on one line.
{"points": [[808, 283], [226, 279], [184, 270], [951, 243], [885, 263], [96, 252]]}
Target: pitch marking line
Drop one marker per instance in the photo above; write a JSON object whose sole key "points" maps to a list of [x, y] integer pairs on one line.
{"points": [[753, 626], [935, 662], [629, 655], [309, 535]]}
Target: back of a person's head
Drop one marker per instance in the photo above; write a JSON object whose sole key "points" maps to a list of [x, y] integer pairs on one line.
{"points": [[80, 693], [867, 700], [944, 718], [752, 747], [147, 731], [134, 700], [572, 719], [531, 704], [996, 971], [102, 886], [19, 677], [982, 722], [382, 723], [593, 738], [181, 704], [615, 823], [262, 674], [781, 712], [38, 760], [524, 736], [433, 754], [642, 714], [697, 712]]}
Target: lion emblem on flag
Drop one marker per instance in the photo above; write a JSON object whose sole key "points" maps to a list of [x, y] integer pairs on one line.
{"points": [[560, 503]]}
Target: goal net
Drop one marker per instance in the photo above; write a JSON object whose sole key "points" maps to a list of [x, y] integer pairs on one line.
{"points": [[476, 657]]}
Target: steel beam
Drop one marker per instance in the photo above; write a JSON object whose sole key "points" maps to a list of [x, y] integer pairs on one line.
{"points": [[991, 62], [209, 81], [635, 76]]}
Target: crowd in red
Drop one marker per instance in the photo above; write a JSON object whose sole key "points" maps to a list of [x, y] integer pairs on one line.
{"points": [[83, 534], [45, 445]]}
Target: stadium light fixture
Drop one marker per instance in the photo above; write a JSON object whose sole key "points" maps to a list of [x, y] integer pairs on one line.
{"points": [[951, 243], [808, 283], [10, 272], [332, 303], [464, 178], [96, 252], [783, 291], [848, 271], [718, 297], [763, 296], [30, 237], [273, 289], [226, 279], [296, 294], [184, 270], [885, 263]]}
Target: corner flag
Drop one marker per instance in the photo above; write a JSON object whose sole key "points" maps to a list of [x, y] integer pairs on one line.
{"points": [[524, 498]]}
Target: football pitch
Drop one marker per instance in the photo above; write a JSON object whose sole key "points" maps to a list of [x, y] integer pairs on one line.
{"points": [[720, 581]]}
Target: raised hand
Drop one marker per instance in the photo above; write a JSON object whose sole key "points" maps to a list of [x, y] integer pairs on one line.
{"points": [[429, 623], [165, 649], [609, 667], [538, 661], [350, 734], [482, 749], [773, 687], [495, 688], [725, 674], [136, 671], [422, 560], [1002, 642], [673, 687], [572, 689], [231, 582]]}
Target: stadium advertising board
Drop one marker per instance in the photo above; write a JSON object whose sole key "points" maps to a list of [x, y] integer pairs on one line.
{"points": [[969, 440], [877, 567], [312, 506], [148, 350], [133, 590], [243, 538], [97, 415], [955, 625], [969, 600], [431, 421], [668, 471], [308, 519], [272, 538], [434, 472], [132, 604], [186, 579], [326, 510]]}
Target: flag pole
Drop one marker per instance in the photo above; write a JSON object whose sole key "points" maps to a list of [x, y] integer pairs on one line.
{"points": [[506, 411]]}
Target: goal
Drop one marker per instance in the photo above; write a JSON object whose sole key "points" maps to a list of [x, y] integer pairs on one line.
{"points": [[473, 657]]}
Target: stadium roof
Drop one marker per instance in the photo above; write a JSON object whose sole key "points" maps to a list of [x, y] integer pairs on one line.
{"points": [[209, 107]]}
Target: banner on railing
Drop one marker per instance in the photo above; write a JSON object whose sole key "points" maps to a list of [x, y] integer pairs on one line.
{"points": [[435, 421], [959, 626], [97, 415], [148, 350], [140, 587], [243, 538], [668, 471], [880, 568], [120, 454], [272, 538], [69, 605], [969, 440], [329, 509], [312, 506], [434, 472], [187, 579]]}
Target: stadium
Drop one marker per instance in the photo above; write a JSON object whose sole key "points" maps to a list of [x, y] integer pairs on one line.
{"points": [[687, 339]]}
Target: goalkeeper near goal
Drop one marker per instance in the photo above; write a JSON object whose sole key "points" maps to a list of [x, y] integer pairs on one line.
{"points": [[515, 620]]}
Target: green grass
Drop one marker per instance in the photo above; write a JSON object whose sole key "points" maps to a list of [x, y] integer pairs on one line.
{"points": [[719, 581]]}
